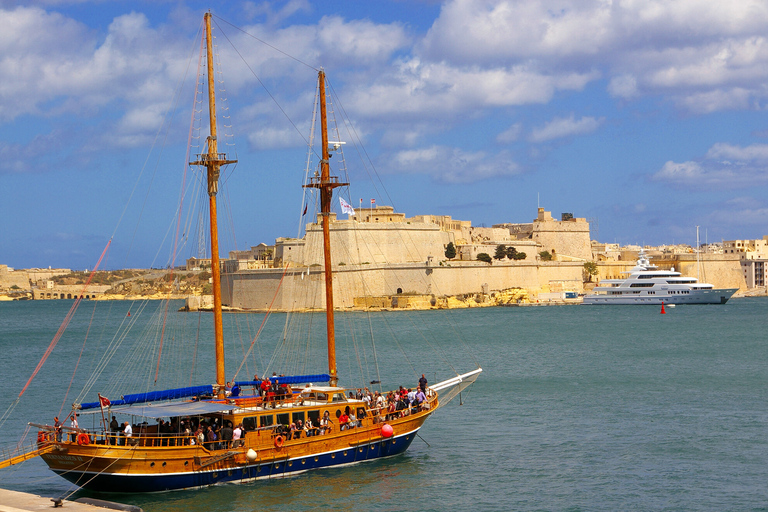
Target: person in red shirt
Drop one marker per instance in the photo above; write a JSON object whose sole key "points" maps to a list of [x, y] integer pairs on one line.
{"points": [[344, 419]]}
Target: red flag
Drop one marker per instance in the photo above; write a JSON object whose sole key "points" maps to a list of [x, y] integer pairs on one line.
{"points": [[373, 202], [104, 401], [305, 210]]}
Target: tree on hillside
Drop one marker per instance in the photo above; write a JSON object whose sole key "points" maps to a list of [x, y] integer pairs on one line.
{"points": [[520, 255], [545, 256], [511, 252], [501, 252], [450, 251], [484, 256]]}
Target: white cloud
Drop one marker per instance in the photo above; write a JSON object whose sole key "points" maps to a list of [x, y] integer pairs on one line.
{"points": [[511, 134], [454, 165], [705, 55], [725, 166], [565, 127]]}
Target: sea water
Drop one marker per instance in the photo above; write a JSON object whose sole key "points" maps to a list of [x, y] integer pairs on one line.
{"points": [[577, 408]]}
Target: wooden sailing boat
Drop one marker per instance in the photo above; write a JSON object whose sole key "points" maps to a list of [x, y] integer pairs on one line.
{"points": [[150, 459]]}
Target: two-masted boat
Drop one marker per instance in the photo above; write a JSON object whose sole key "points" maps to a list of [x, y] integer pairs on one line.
{"points": [[256, 429]]}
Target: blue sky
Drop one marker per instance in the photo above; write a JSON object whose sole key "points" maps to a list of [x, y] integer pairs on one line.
{"points": [[646, 116]]}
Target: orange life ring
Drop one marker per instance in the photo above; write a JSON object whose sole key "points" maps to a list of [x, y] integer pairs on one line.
{"points": [[40, 436], [83, 439], [279, 441]]}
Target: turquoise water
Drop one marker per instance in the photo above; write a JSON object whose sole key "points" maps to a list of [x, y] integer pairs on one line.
{"points": [[578, 408]]}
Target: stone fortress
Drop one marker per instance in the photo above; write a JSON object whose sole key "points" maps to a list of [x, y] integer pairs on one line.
{"points": [[382, 258]]}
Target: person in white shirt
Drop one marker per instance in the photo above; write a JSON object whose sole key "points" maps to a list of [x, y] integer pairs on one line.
{"points": [[128, 433]]}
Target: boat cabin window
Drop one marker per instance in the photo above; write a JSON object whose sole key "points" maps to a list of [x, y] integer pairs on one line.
{"points": [[282, 419], [314, 416], [339, 397], [249, 423], [297, 416], [267, 420]]}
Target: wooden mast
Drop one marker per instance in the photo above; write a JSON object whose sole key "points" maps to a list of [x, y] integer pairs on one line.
{"points": [[326, 183], [213, 160]]}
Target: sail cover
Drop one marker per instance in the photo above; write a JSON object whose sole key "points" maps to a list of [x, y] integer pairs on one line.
{"points": [[174, 409]]}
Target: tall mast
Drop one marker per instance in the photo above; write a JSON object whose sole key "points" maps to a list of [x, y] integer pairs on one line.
{"points": [[326, 183], [213, 160]]}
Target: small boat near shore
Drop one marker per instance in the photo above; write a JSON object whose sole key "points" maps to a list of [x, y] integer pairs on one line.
{"points": [[646, 284]]}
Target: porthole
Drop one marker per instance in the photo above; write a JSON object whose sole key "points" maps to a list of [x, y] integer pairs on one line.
{"points": [[361, 450], [303, 461], [151, 464], [277, 465], [164, 463], [186, 463], [345, 453], [215, 475], [333, 455], [317, 459], [290, 464], [229, 473]]}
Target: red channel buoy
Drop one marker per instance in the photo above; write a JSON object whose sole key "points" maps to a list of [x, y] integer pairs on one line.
{"points": [[387, 430], [662, 308]]}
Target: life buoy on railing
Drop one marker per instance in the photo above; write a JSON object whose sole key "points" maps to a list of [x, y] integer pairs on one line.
{"points": [[83, 439], [40, 436], [279, 441]]}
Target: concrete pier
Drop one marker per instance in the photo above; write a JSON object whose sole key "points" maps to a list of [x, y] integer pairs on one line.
{"points": [[14, 501]]}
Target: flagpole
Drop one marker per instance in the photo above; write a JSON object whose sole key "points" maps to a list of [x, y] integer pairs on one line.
{"points": [[103, 421]]}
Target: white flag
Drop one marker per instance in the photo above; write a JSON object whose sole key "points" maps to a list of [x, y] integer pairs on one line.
{"points": [[345, 207]]}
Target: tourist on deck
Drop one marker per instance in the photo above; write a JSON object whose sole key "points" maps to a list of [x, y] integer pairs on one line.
{"points": [[57, 428], [423, 383], [344, 419], [237, 433], [325, 424], [227, 434], [127, 434], [114, 427], [74, 426]]}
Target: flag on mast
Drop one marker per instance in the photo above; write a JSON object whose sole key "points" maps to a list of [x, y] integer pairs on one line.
{"points": [[345, 207]]}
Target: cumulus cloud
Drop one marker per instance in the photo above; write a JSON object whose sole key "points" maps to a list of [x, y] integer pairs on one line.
{"points": [[453, 165], [561, 127], [724, 166], [704, 55]]}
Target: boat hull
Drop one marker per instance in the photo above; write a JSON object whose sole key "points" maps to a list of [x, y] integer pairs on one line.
{"points": [[719, 296], [128, 469], [158, 482]]}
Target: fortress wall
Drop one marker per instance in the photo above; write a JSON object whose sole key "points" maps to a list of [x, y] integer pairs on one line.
{"points": [[356, 243], [565, 237], [256, 289]]}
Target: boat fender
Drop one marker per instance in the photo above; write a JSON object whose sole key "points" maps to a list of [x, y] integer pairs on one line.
{"points": [[279, 441], [251, 454], [83, 439], [387, 430], [109, 504]]}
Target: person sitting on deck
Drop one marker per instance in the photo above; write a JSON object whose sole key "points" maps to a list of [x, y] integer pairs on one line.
{"points": [[344, 419], [325, 424], [235, 391]]}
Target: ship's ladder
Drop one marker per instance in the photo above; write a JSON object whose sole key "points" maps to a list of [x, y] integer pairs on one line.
{"points": [[21, 453]]}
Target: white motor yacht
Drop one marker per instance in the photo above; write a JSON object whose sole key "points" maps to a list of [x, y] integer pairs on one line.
{"points": [[647, 284]]}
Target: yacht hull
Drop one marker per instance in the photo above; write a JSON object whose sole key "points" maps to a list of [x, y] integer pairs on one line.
{"points": [[720, 296]]}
